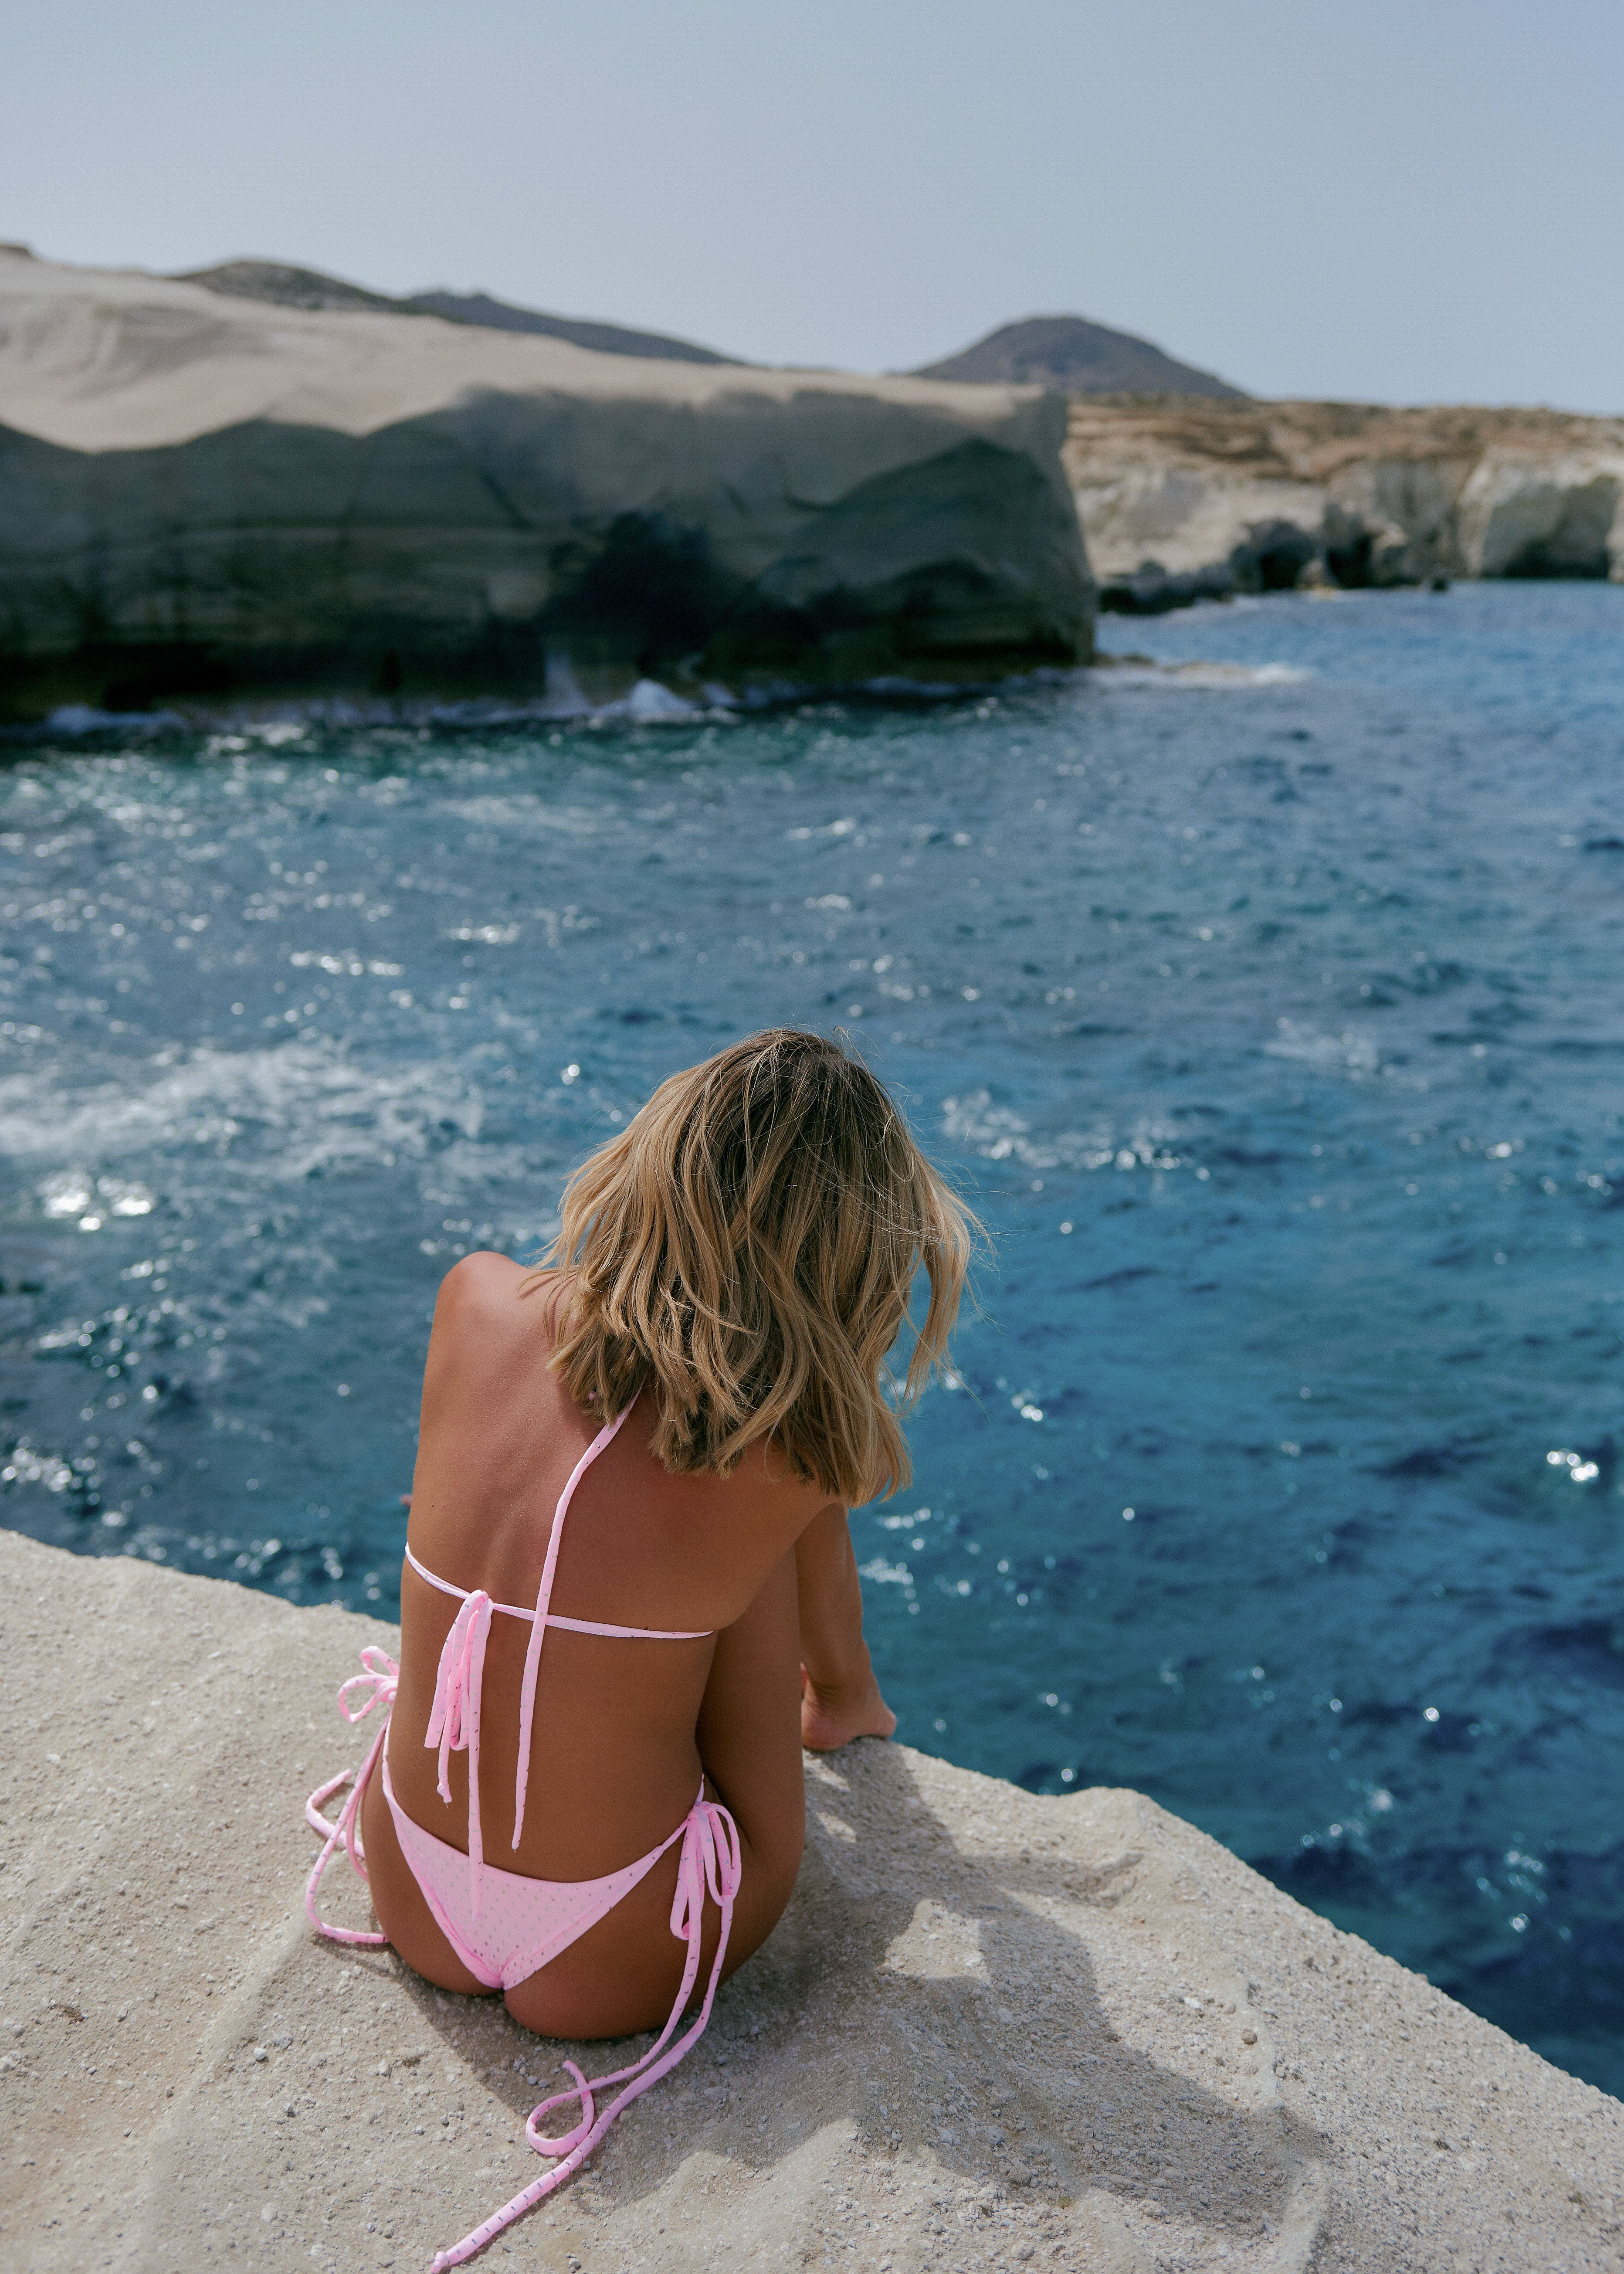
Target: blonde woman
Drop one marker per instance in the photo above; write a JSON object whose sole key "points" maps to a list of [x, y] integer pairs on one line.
{"points": [[629, 1596]]}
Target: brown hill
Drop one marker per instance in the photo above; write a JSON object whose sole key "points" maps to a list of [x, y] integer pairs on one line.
{"points": [[1073, 357]]}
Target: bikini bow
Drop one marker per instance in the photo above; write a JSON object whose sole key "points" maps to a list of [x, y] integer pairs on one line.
{"points": [[378, 1684], [711, 1858], [454, 1722], [382, 1679]]}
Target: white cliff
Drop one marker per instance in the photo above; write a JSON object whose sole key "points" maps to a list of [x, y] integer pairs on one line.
{"points": [[1557, 514], [1183, 500], [213, 497], [991, 2030]]}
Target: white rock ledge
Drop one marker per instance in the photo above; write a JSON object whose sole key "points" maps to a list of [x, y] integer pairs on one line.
{"points": [[992, 2029], [216, 501]]}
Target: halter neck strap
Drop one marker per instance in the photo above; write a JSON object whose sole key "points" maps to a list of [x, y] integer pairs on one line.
{"points": [[544, 1598]]}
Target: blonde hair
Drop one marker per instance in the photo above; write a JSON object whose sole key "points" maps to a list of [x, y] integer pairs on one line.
{"points": [[749, 1243]]}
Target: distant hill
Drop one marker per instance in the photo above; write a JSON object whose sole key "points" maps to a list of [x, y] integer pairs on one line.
{"points": [[1074, 356], [289, 288], [607, 339], [309, 288]]}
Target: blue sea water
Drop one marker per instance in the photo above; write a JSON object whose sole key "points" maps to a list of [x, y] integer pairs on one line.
{"points": [[1268, 1008]]}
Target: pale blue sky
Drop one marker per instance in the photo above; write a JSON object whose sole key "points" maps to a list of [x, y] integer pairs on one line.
{"points": [[1412, 202]]}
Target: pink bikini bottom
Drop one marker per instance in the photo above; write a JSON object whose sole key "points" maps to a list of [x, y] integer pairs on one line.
{"points": [[520, 1922], [503, 1926]]}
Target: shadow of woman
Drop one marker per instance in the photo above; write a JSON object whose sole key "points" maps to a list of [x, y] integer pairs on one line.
{"points": [[929, 2007]]}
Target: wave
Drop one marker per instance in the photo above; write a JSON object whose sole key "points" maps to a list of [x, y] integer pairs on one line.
{"points": [[322, 1107], [1139, 671]]}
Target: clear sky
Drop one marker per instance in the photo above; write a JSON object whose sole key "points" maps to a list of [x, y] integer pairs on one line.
{"points": [[1404, 200]]}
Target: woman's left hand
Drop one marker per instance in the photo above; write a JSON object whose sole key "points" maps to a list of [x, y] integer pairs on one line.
{"points": [[832, 1714]]}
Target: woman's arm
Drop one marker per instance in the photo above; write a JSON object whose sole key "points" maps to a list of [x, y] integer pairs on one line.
{"points": [[840, 1698]]}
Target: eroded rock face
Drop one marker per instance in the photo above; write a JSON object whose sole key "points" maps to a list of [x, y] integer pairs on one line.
{"points": [[1183, 501], [991, 2028], [214, 498], [1559, 515]]}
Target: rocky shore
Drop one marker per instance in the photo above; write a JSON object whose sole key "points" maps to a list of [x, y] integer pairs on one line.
{"points": [[1185, 500], [209, 498], [993, 2029]]}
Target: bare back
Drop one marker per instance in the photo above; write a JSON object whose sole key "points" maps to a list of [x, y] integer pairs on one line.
{"points": [[615, 1758]]}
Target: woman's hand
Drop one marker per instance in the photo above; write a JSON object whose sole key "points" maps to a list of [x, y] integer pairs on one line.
{"points": [[840, 1697], [832, 1714]]}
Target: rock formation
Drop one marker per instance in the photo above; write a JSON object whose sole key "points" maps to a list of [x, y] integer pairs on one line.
{"points": [[1074, 356], [1184, 501], [992, 2029], [290, 287], [218, 498]]}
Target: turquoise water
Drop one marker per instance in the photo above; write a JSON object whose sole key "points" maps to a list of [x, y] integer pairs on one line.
{"points": [[1270, 1012]]}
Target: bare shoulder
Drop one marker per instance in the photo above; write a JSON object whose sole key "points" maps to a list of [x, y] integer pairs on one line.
{"points": [[486, 1286], [478, 1281], [765, 1485], [487, 1303]]}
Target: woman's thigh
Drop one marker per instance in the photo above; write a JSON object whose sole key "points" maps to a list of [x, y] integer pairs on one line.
{"points": [[624, 1972]]}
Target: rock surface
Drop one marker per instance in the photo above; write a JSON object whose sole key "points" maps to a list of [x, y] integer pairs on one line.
{"points": [[992, 2030], [210, 497], [1186, 501]]}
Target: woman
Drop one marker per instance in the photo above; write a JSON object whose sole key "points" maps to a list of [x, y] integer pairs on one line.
{"points": [[697, 1382]]}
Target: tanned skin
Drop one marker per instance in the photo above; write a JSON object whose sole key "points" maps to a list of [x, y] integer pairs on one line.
{"points": [[623, 1730]]}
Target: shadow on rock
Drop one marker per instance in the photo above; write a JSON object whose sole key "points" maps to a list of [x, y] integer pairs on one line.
{"points": [[938, 2009]]}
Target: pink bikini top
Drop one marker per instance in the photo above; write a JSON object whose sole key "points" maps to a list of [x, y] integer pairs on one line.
{"points": [[454, 1723]]}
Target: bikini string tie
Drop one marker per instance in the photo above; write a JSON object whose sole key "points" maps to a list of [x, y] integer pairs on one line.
{"points": [[454, 1720], [377, 1686], [711, 1864]]}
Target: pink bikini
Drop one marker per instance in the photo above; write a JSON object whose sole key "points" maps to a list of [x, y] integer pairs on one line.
{"points": [[504, 1925]]}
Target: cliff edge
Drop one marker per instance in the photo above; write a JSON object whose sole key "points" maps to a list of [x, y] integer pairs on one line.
{"points": [[1184, 501], [992, 2029], [211, 498]]}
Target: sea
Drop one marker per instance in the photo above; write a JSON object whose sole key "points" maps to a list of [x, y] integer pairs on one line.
{"points": [[1262, 994]]}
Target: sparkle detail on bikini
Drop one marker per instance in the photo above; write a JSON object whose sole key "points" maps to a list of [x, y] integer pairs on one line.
{"points": [[504, 1925]]}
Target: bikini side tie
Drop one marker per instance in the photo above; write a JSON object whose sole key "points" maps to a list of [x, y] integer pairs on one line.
{"points": [[381, 1681], [711, 1861]]}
